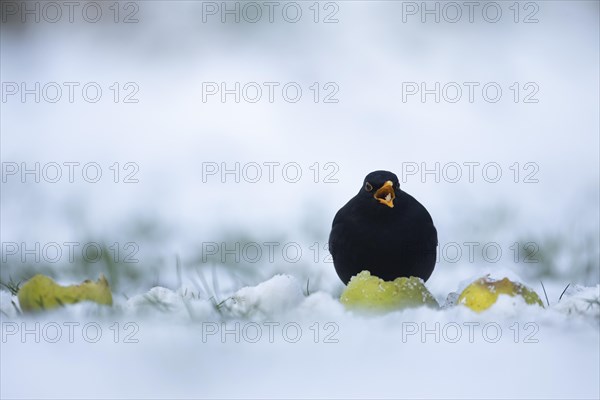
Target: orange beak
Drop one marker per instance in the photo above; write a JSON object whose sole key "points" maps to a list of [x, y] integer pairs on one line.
{"points": [[385, 194]]}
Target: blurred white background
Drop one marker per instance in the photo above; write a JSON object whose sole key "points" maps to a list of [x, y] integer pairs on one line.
{"points": [[170, 133]]}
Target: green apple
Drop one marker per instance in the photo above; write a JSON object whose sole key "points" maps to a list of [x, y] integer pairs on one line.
{"points": [[483, 293], [42, 293], [369, 292]]}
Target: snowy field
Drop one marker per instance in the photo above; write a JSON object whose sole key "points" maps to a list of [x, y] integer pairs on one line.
{"points": [[273, 341], [210, 216]]}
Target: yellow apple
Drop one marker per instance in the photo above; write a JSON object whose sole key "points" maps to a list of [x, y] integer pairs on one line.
{"points": [[42, 293], [483, 293], [369, 292]]}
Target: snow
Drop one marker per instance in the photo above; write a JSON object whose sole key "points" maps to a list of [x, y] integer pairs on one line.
{"points": [[271, 340], [581, 300], [271, 298]]}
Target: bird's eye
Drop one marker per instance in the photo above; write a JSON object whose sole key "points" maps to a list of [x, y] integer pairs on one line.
{"points": [[368, 187]]}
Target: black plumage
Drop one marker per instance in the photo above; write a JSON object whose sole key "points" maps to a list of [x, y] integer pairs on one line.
{"points": [[383, 230]]}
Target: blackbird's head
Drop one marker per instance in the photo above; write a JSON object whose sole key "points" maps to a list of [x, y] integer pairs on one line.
{"points": [[381, 187]]}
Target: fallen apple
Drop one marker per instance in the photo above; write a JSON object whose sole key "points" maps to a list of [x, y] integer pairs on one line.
{"points": [[42, 293], [483, 293], [369, 292]]}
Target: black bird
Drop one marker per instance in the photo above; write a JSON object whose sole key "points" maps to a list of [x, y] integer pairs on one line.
{"points": [[383, 230]]}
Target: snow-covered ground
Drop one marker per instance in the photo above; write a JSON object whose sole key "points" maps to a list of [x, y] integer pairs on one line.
{"points": [[272, 340]]}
